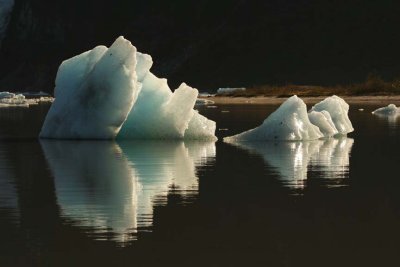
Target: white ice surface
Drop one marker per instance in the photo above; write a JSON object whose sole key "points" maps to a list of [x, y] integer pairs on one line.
{"points": [[94, 93], [338, 109], [160, 113], [323, 120], [289, 122]]}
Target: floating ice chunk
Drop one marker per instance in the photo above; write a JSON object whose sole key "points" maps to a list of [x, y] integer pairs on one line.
{"points": [[338, 109], [8, 99], [323, 120], [94, 92], [387, 111], [289, 122]]}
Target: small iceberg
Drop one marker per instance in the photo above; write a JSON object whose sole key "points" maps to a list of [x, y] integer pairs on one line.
{"points": [[390, 110], [289, 122]]}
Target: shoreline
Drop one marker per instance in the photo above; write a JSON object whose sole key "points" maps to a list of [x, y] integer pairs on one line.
{"points": [[259, 100]]}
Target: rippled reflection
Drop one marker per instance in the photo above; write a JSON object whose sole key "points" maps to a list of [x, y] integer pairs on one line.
{"points": [[393, 120], [112, 187], [292, 161]]}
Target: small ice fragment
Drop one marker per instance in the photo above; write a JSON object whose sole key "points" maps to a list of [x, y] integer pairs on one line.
{"points": [[387, 111]]}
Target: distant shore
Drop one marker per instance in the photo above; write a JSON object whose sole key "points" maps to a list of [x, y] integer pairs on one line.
{"points": [[366, 100]]}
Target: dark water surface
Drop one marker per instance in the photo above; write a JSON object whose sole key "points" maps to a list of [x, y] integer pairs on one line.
{"points": [[138, 203]]}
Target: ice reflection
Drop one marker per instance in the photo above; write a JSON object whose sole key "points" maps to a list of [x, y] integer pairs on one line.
{"points": [[294, 160], [110, 189], [392, 119]]}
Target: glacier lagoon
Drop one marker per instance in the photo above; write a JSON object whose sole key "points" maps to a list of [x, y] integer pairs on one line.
{"points": [[154, 203]]}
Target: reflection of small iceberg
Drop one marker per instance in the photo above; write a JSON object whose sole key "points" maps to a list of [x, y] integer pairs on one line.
{"points": [[111, 190], [292, 160], [393, 119]]}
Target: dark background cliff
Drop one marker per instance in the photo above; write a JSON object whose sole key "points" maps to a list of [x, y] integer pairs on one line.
{"points": [[209, 44]]}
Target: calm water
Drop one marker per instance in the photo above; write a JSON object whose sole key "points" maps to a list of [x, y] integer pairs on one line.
{"points": [[138, 203]]}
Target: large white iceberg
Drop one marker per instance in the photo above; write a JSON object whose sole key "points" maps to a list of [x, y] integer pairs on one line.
{"points": [[94, 93], [338, 110], [289, 122], [104, 92], [390, 110]]}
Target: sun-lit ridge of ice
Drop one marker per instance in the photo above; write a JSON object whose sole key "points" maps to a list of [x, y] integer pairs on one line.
{"points": [[94, 93], [387, 111], [294, 160], [338, 110], [323, 120], [160, 113], [289, 122], [112, 187]]}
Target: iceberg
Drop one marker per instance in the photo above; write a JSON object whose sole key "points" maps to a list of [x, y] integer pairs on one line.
{"points": [[390, 110], [338, 110], [106, 93], [289, 122]]}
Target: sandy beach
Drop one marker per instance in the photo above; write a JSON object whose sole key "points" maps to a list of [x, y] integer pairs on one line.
{"points": [[362, 100]]}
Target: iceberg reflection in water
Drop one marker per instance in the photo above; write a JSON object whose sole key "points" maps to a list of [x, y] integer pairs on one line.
{"points": [[110, 188], [293, 160]]}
